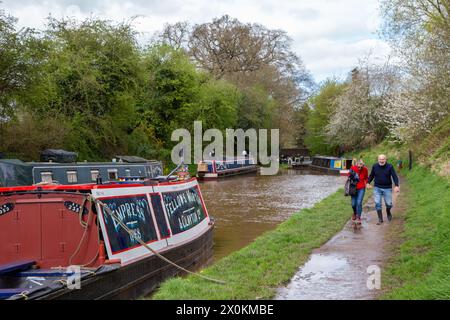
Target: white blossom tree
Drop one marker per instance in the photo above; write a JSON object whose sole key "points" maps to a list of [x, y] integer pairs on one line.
{"points": [[359, 118]]}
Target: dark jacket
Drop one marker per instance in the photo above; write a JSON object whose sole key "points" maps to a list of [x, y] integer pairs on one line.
{"points": [[383, 176]]}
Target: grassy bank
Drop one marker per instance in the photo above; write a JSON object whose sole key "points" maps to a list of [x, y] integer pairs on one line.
{"points": [[420, 269], [256, 271]]}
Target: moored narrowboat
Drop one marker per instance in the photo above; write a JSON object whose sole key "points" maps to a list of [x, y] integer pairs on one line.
{"points": [[331, 165], [14, 172], [100, 241], [213, 169]]}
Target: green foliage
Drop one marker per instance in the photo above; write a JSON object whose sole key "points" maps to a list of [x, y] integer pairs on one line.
{"points": [[421, 268], [112, 97], [255, 108], [21, 54], [217, 106], [178, 94], [323, 105], [301, 117], [27, 135]]}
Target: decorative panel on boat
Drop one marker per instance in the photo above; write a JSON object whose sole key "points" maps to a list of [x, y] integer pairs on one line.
{"points": [[184, 209], [134, 212]]}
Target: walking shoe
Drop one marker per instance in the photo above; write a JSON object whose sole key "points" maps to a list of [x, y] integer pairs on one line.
{"points": [[354, 217], [380, 217], [358, 220]]}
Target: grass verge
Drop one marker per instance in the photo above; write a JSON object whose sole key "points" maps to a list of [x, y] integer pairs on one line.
{"points": [[256, 271], [420, 269]]}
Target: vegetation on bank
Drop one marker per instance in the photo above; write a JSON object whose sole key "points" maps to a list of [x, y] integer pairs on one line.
{"points": [[420, 267], [256, 271], [91, 87]]}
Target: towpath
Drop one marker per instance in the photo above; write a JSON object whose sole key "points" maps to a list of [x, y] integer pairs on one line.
{"points": [[339, 269]]}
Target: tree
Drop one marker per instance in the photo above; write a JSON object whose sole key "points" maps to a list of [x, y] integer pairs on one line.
{"points": [[177, 94], [257, 60], [301, 116], [419, 31], [20, 58], [360, 116], [323, 105]]}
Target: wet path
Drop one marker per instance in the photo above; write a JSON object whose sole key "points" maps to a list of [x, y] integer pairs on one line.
{"points": [[339, 269], [246, 206]]}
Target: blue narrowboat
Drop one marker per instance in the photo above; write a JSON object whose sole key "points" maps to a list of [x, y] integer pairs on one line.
{"points": [[14, 172], [331, 165]]}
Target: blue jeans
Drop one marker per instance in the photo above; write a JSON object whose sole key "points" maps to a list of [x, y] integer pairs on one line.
{"points": [[386, 194], [357, 201]]}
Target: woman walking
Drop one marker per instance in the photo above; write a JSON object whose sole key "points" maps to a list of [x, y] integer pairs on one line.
{"points": [[357, 200]]}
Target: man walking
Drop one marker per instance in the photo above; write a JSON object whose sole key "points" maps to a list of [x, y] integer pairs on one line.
{"points": [[384, 174]]}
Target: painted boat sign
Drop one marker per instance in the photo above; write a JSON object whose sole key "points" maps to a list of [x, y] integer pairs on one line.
{"points": [[160, 216], [184, 209], [134, 212]]}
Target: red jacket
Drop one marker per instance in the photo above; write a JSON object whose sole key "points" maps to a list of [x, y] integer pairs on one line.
{"points": [[363, 176]]}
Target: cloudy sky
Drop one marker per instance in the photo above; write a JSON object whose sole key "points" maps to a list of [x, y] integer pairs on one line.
{"points": [[329, 35]]}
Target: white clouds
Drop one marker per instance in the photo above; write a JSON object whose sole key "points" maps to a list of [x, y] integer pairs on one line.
{"points": [[329, 35], [329, 57]]}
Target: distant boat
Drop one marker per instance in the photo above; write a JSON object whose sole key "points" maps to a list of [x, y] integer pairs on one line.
{"points": [[331, 165], [213, 169], [48, 231]]}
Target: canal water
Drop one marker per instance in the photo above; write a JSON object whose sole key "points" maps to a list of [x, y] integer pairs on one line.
{"points": [[246, 206]]}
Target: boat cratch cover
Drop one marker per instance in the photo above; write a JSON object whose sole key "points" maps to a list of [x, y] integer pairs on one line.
{"points": [[57, 155]]}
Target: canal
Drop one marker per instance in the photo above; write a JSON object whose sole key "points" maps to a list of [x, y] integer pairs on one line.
{"points": [[246, 206]]}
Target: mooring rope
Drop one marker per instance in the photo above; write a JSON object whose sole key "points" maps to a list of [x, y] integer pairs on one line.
{"points": [[85, 225], [131, 233]]}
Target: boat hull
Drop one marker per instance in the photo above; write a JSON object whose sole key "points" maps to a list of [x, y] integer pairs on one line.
{"points": [[142, 277], [226, 173]]}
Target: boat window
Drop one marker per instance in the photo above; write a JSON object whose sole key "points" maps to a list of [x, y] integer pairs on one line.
{"points": [[47, 176], [127, 173], [94, 175], [112, 174], [72, 177]]}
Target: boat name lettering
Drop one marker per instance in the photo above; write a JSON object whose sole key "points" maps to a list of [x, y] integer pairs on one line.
{"points": [[184, 209], [188, 220], [181, 199], [129, 211]]}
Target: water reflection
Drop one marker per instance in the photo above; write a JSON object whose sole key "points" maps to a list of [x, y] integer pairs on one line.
{"points": [[246, 206]]}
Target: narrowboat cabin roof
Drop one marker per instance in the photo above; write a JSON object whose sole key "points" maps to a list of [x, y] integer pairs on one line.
{"points": [[14, 172], [328, 157]]}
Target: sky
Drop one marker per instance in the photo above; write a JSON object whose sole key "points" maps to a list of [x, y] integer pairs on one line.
{"points": [[329, 35]]}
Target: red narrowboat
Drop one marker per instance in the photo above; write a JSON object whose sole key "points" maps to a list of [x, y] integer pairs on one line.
{"points": [[100, 241]]}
